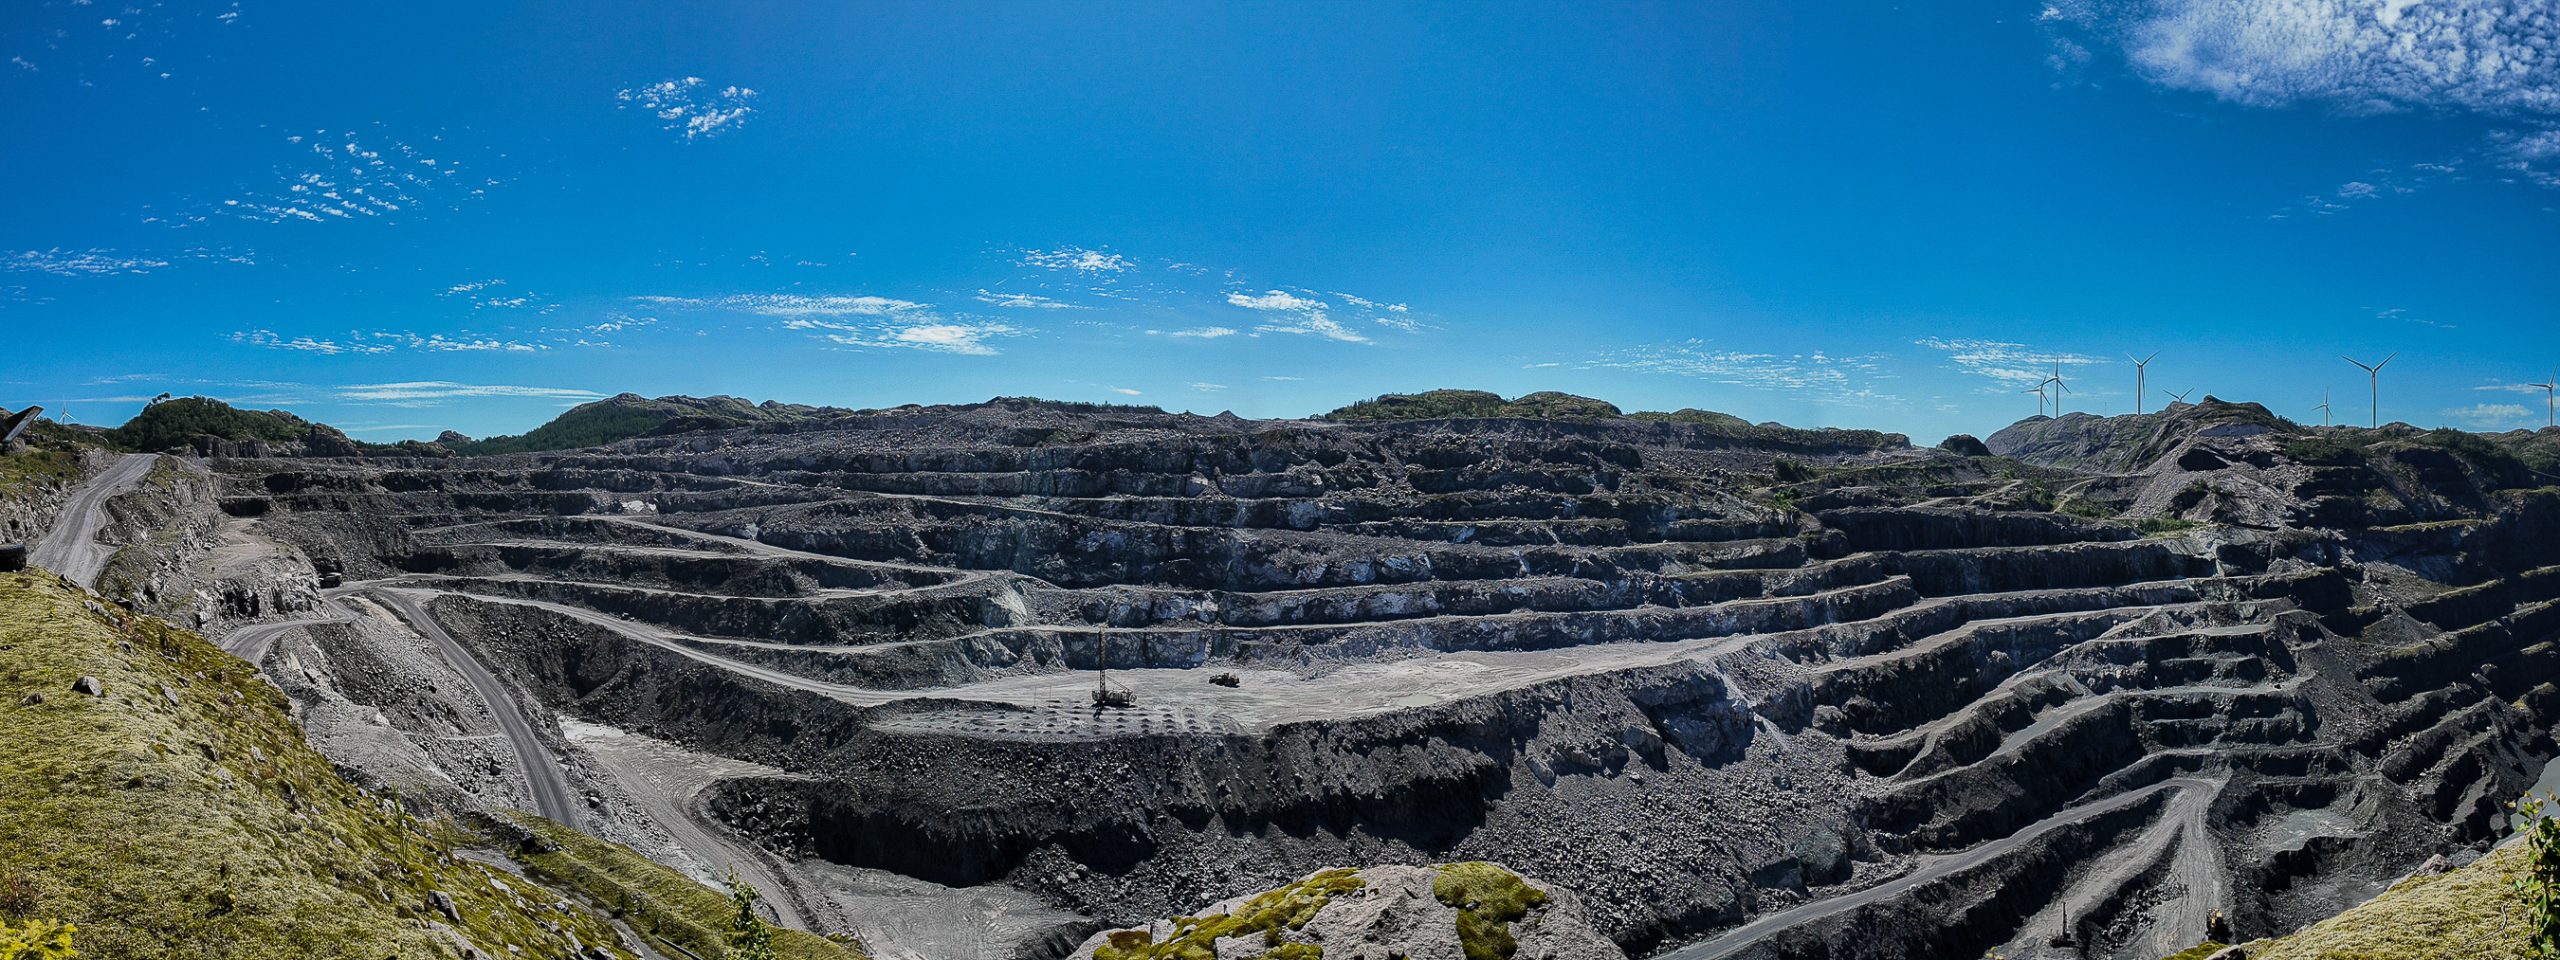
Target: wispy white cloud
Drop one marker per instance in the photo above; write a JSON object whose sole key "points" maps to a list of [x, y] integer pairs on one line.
{"points": [[1291, 313], [2490, 57], [1124, 391], [1025, 301], [1814, 376], [2484, 416], [384, 341], [2402, 315], [691, 107], [1196, 333], [1077, 259], [966, 338], [427, 392], [862, 321], [78, 263], [2006, 364], [496, 295], [2496, 59], [1208, 387], [346, 176], [796, 305]]}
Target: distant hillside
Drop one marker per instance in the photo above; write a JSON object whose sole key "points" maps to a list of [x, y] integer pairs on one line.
{"points": [[629, 415], [1552, 405], [1472, 404]]}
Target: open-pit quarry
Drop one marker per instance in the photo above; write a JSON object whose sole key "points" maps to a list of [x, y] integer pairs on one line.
{"points": [[1750, 693]]}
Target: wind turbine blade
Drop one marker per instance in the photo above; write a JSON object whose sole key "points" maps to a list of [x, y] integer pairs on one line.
{"points": [[2386, 361]]}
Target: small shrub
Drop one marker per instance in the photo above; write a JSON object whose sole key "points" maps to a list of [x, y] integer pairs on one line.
{"points": [[17, 896], [749, 937], [37, 940], [1790, 471], [2164, 526], [2539, 887]]}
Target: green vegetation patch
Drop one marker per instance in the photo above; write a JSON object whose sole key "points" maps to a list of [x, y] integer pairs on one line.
{"points": [[1488, 899], [29, 471], [2165, 526], [1266, 916], [178, 812], [2466, 914], [652, 899], [2197, 952]]}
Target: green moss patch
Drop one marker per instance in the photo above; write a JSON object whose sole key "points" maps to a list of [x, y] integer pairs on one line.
{"points": [[179, 812], [652, 899], [1488, 899], [2197, 952], [1266, 916]]}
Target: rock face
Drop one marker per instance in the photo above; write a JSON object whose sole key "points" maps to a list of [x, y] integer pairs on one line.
{"points": [[1820, 691], [1461, 911]]}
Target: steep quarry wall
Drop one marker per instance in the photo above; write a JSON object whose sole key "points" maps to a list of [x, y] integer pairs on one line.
{"points": [[1875, 701]]}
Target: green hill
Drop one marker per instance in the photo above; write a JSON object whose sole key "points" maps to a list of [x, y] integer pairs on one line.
{"points": [[176, 423], [630, 415]]}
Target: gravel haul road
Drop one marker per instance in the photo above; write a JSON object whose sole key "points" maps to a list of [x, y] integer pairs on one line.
{"points": [[71, 547], [551, 795]]}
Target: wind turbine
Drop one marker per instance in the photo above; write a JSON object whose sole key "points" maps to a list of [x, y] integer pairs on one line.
{"points": [[2138, 377], [2373, 379], [2180, 397], [2550, 399], [2324, 406], [2039, 392], [2059, 387]]}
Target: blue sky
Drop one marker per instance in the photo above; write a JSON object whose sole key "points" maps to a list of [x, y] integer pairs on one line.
{"points": [[402, 219]]}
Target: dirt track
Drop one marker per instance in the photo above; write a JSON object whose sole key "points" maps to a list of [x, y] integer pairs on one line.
{"points": [[71, 547]]}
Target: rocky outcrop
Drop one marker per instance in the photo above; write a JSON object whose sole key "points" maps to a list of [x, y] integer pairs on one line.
{"points": [[179, 557], [1455, 911]]}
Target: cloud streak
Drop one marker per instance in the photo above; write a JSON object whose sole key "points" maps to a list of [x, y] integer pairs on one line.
{"points": [[2008, 365], [862, 321], [1814, 376], [429, 392], [383, 341]]}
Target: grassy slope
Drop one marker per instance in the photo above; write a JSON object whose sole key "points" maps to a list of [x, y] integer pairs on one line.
{"points": [[2466, 914], [655, 900], [209, 827], [28, 471]]}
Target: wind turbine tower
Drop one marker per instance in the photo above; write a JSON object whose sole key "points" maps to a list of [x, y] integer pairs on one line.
{"points": [[2139, 374], [2039, 392], [2550, 399], [2373, 380], [2059, 387], [2324, 406]]}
